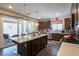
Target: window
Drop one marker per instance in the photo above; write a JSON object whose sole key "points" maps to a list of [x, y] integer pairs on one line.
{"points": [[10, 26], [23, 27], [31, 26], [57, 25], [13, 26]]}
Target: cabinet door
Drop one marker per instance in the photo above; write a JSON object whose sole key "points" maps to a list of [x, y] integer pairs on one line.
{"points": [[29, 48], [25, 49], [34, 47], [22, 50], [42, 42], [38, 44], [45, 40]]}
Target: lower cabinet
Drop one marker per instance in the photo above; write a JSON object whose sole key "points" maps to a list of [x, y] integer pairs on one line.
{"points": [[32, 47], [24, 49]]}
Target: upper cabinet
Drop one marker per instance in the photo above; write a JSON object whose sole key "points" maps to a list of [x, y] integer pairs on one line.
{"points": [[67, 23], [44, 25]]}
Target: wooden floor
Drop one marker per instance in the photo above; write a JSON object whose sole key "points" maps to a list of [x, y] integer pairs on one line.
{"points": [[50, 50]]}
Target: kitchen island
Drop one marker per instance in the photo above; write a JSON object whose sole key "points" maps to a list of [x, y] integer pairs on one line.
{"points": [[30, 45]]}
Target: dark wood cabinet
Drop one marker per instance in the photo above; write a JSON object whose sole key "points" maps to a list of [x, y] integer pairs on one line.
{"points": [[45, 41], [39, 44], [32, 47], [57, 36], [24, 49], [67, 23], [44, 25]]}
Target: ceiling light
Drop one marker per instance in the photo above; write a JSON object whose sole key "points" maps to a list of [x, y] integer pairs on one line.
{"points": [[57, 14], [37, 24], [10, 7]]}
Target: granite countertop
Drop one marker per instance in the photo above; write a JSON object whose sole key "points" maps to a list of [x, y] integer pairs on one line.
{"points": [[26, 38]]}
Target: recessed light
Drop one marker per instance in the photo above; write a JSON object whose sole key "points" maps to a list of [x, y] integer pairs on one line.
{"points": [[10, 7], [37, 24], [57, 14]]}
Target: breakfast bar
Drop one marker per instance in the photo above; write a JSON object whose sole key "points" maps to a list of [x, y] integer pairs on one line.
{"points": [[30, 45]]}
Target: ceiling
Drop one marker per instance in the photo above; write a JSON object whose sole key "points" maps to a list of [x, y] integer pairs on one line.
{"points": [[40, 10]]}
